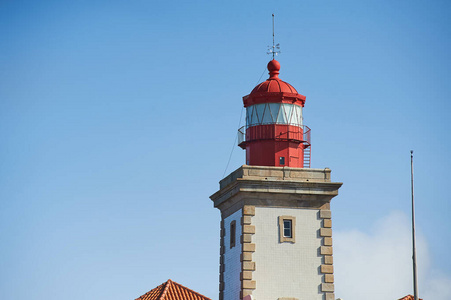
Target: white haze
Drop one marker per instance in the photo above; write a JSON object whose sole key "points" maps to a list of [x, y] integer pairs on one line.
{"points": [[378, 265]]}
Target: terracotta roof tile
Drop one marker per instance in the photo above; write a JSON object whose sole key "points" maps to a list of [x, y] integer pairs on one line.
{"points": [[408, 297], [171, 290]]}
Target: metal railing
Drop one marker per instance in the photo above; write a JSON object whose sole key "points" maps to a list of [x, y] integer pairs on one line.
{"points": [[281, 132], [241, 135]]}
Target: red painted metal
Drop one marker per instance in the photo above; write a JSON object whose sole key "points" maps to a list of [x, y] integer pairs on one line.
{"points": [[275, 144], [265, 144], [274, 90], [273, 97]]}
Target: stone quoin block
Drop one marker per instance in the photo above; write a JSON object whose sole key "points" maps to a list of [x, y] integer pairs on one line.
{"points": [[327, 269], [325, 232], [246, 238], [327, 241], [329, 278], [330, 296], [249, 284], [327, 287], [326, 250], [248, 247], [249, 210], [246, 275], [327, 223], [325, 214], [246, 256], [328, 259], [248, 266], [246, 220], [248, 229]]}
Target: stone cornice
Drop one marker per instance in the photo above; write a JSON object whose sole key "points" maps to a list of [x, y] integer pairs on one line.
{"points": [[277, 174], [302, 191], [275, 186]]}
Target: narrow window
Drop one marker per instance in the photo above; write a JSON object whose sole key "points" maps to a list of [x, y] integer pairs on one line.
{"points": [[287, 229], [281, 160], [287, 226], [232, 234]]}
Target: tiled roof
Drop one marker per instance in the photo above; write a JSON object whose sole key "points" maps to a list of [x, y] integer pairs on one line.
{"points": [[408, 297], [171, 290]]}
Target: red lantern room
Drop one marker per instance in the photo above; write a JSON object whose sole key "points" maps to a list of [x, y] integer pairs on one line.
{"points": [[274, 134]]}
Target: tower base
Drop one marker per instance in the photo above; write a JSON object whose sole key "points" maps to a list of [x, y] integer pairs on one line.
{"points": [[276, 233]]}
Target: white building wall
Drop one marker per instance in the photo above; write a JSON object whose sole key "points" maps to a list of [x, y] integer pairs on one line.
{"points": [[286, 269], [232, 262]]}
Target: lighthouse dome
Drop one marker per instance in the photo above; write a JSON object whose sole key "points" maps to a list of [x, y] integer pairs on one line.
{"points": [[274, 84]]}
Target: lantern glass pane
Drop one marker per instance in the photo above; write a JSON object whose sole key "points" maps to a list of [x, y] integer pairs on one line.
{"points": [[254, 119], [274, 108], [288, 111], [249, 115], [260, 108], [282, 117], [267, 119], [299, 114]]}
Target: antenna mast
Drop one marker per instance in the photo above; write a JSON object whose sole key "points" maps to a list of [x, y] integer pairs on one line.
{"points": [[414, 255], [275, 49], [273, 35]]}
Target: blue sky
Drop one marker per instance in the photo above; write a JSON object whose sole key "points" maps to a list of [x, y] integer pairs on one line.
{"points": [[117, 119]]}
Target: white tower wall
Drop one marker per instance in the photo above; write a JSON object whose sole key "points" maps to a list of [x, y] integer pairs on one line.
{"points": [[232, 262], [287, 270]]}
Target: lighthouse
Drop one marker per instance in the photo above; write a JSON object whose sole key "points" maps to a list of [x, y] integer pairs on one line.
{"points": [[274, 134], [276, 222]]}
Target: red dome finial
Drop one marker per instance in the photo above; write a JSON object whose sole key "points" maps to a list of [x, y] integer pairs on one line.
{"points": [[273, 68]]}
